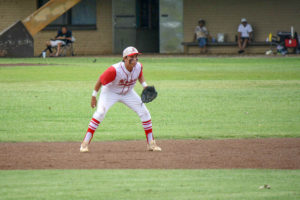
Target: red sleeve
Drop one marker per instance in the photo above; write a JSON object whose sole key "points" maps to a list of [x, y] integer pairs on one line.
{"points": [[141, 73], [108, 75]]}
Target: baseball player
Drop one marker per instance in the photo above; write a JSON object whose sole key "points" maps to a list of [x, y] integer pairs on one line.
{"points": [[117, 83]]}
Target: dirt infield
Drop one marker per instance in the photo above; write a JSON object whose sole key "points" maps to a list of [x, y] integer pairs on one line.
{"points": [[176, 154]]}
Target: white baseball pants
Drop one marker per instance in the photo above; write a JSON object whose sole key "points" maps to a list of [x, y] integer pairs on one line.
{"points": [[54, 43], [131, 99]]}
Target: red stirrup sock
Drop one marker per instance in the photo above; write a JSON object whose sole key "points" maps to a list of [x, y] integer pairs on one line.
{"points": [[148, 130], [90, 132]]}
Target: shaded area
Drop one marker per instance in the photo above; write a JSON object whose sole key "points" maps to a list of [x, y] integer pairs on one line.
{"points": [[177, 154], [16, 41]]}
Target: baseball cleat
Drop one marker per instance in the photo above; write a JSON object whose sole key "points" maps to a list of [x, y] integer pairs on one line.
{"points": [[153, 147], [84, 147]]}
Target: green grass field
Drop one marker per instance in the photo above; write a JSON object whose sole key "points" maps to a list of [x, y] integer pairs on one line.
{"points": [[198, 98], [150, 184], [208, 98]]}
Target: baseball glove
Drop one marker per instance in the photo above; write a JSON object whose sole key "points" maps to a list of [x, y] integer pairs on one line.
{"points": [[148, 94]]}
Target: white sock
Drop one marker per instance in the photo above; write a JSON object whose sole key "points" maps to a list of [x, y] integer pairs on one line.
{"points": [[88, 137]]}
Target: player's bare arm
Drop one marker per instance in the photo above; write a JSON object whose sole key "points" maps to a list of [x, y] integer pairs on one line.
{"points": [[63, 38], [60, 38], [142, 81], [96, 89], [239, 35], [250, 37]]}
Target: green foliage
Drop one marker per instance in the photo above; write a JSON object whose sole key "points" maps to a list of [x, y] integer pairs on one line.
{"points": [[197, 98]]}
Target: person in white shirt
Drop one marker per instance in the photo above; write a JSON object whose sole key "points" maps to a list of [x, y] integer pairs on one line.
{"points": [[244, 35], [201, 35]]}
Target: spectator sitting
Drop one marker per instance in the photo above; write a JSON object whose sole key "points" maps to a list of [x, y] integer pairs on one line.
{"points": [[64, 36], [201, 35], [244, 35]]}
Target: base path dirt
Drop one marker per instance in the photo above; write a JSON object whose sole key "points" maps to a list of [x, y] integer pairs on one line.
{"points": [[176, 154]]}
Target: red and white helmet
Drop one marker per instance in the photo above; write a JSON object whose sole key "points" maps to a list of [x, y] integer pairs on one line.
{"points": [[130, 51]]}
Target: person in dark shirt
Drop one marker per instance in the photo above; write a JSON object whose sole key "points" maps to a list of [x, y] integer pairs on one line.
{"points": [[63, 37]]}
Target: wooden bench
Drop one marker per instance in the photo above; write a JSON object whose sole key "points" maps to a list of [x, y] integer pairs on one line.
{"points": [[219, 44]]}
